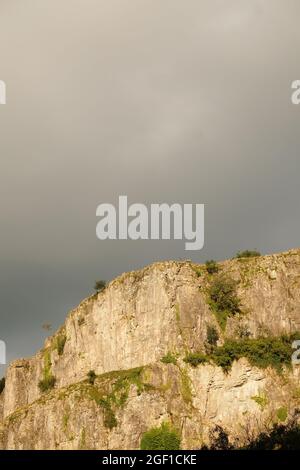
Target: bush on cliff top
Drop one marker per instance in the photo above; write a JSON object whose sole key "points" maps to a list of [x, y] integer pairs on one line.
{"points": [[211, 266], [247, 254], [100, 285]]}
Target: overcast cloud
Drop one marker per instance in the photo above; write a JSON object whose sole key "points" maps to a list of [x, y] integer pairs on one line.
{"points": [[165, 101]]}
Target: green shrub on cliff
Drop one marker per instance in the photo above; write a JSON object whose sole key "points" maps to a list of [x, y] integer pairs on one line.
{"points": [[169, 358], [60, 344], [211, 266], [223, 293], [195, 359], [47, 383], [91, 377], [161, 438], [282, 413], [223, 298], [212, 335], [261, 352], [273, 352], [100, 285]]}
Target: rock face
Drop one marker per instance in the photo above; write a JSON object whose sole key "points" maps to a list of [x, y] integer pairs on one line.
{"points": [[123, 332]]}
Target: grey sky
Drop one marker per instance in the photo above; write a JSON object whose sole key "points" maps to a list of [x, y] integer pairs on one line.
{"points": [[164, 101]]}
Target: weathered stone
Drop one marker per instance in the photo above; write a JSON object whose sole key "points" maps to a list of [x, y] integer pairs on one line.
{"points": [[140, 317]]}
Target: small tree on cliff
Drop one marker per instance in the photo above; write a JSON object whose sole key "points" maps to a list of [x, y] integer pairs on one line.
{"points": [[100, 285]]}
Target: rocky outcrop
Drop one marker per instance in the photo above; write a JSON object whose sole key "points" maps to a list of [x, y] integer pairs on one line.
{"points": [[139, 318]]}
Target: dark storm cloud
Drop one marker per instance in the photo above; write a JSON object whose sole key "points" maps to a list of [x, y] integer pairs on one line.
{"points": [[169, 101]]}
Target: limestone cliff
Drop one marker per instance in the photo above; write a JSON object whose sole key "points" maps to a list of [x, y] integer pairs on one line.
{"points": [[122, 334]]}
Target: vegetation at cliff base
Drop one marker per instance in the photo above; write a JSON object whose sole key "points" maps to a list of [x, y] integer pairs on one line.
{"points": [[281, 437], [282, 413], [164, 437], [218, 439]]}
